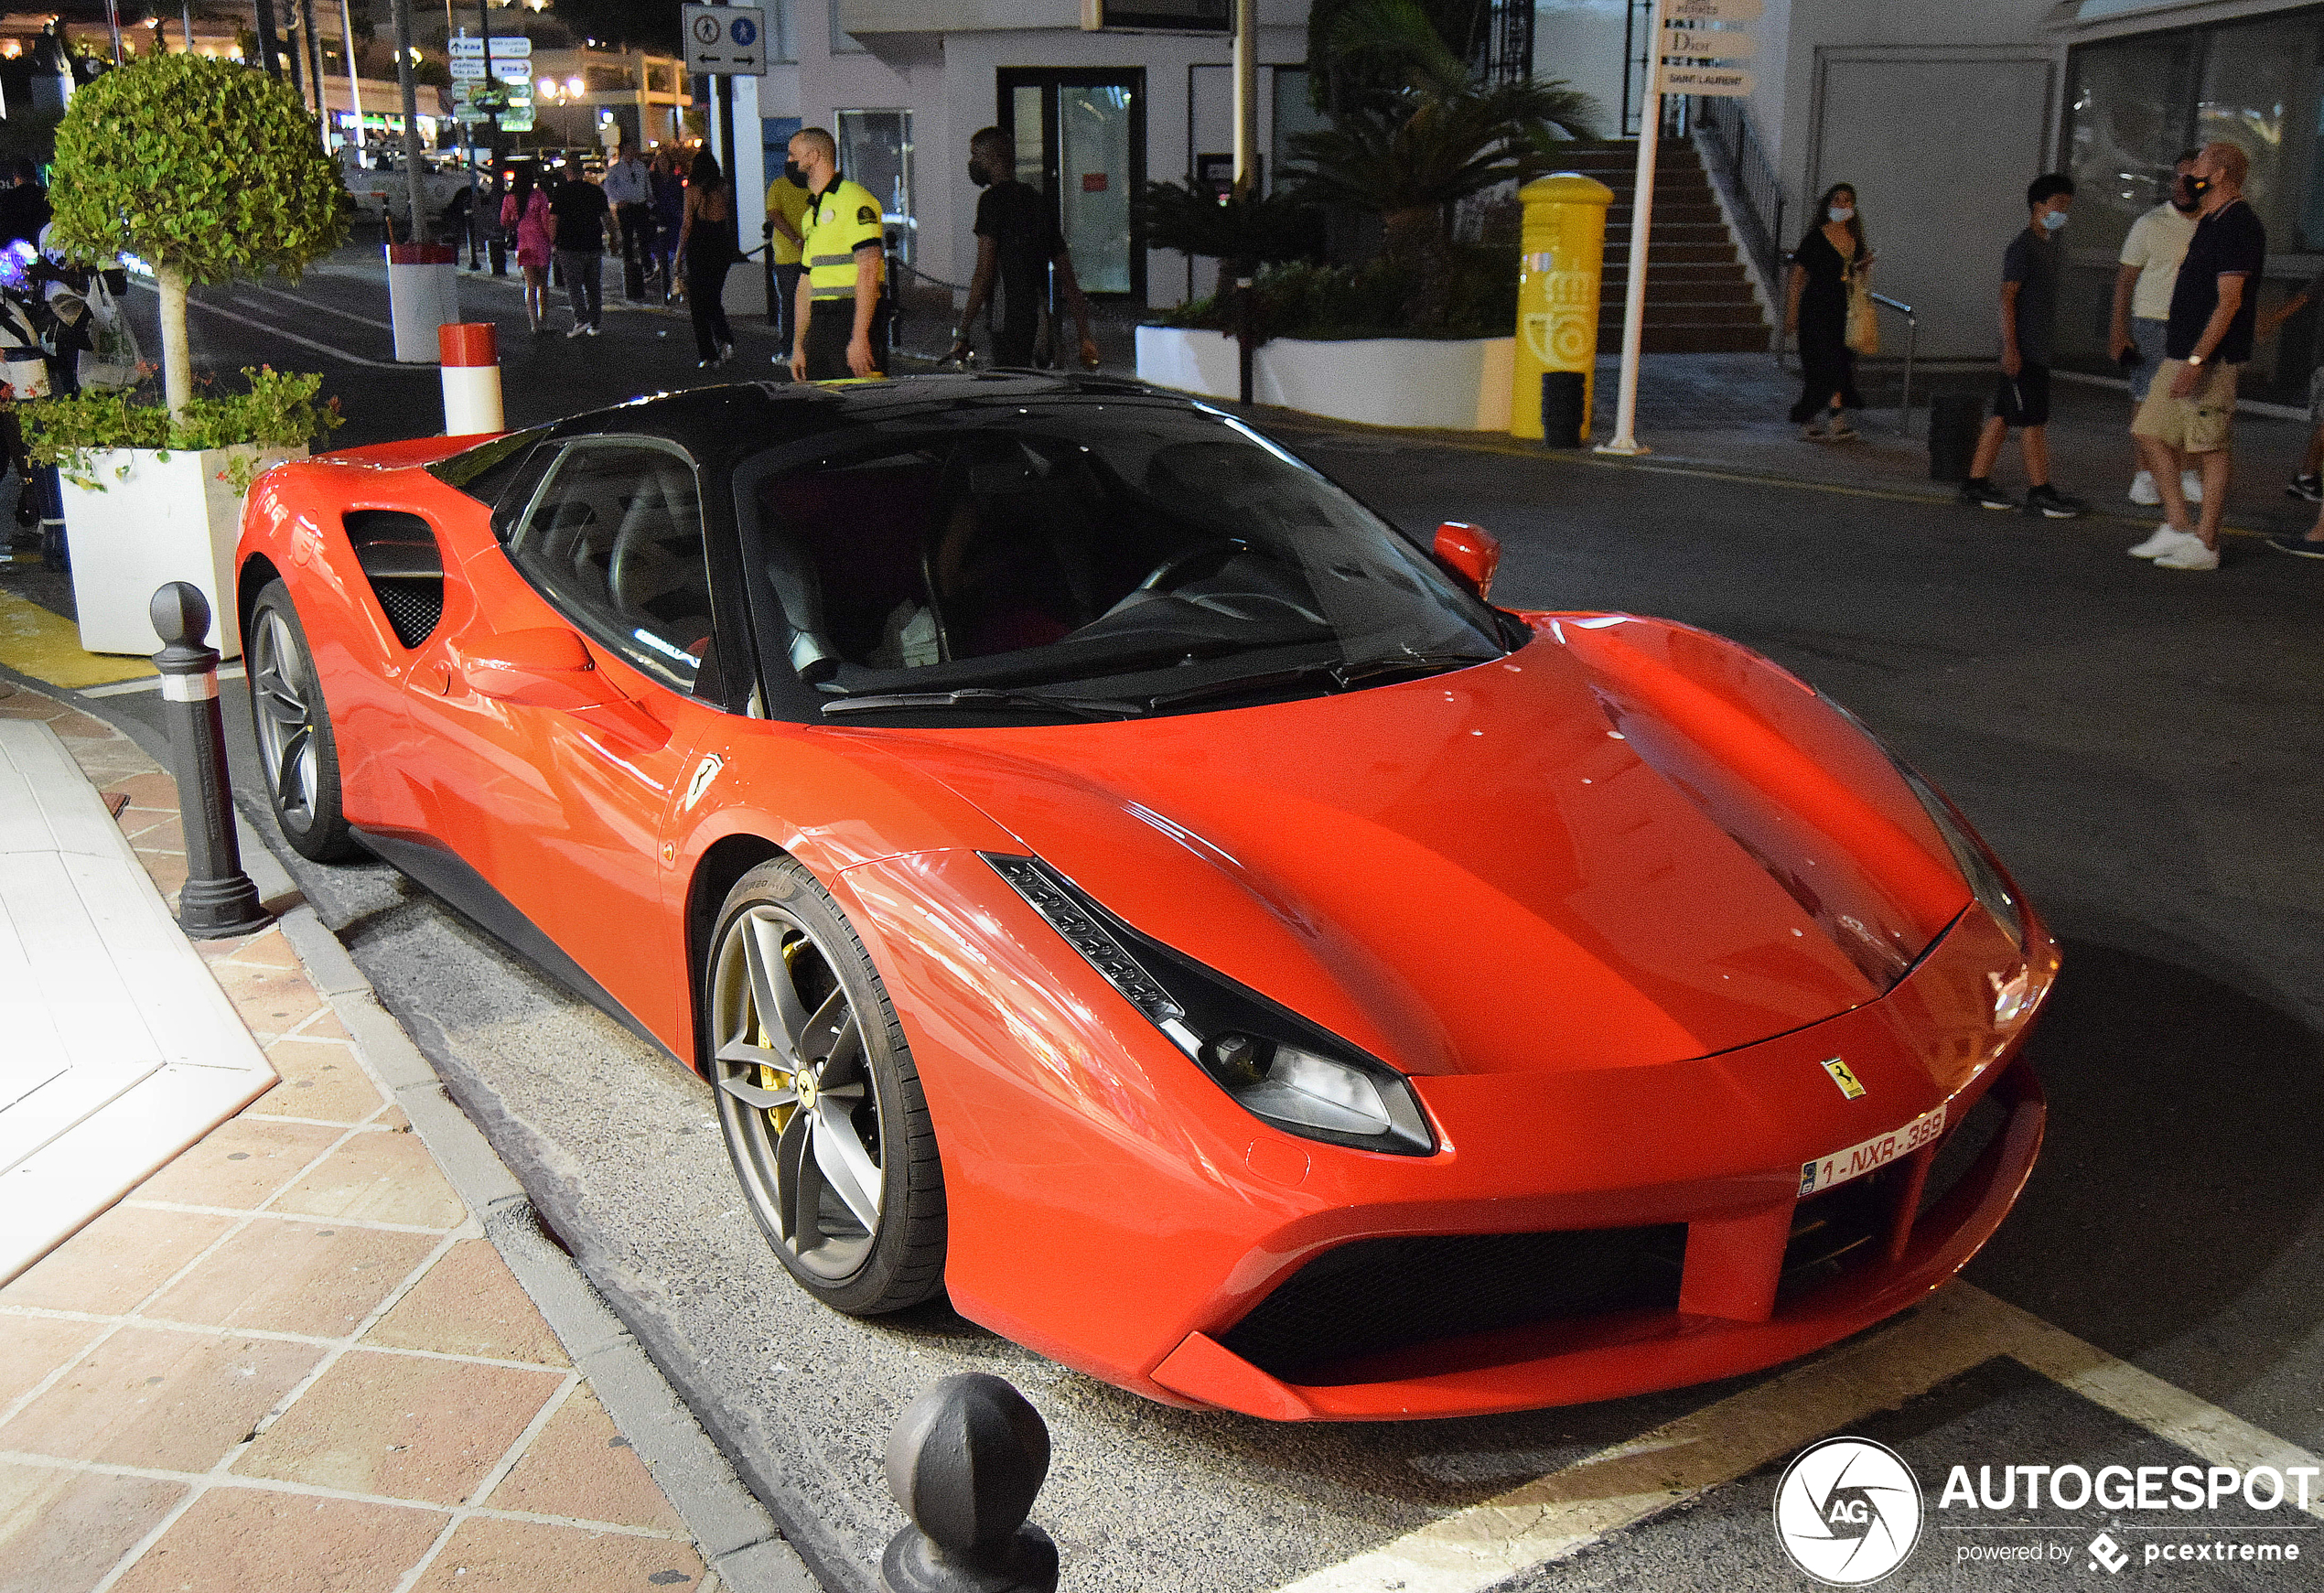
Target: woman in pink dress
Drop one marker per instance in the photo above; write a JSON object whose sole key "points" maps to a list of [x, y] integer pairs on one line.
{"points": [[526, 211]]}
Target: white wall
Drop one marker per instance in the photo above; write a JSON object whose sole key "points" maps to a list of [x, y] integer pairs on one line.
{"points": [[950, 84], [1580, 41]]}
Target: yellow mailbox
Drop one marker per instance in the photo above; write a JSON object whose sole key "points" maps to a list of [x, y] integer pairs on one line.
{"points": [[1557, 281]]}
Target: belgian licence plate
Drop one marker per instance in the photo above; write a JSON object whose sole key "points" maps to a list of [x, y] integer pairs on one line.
{"points": [[1877, 1152]]}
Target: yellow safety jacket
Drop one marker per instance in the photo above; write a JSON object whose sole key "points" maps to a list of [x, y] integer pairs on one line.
{"points": [[787, 199], [838, 222]]}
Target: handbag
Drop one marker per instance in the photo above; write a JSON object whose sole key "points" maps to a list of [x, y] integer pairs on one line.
{"points": [[22, 366], [110, 362], [1863, 316]]}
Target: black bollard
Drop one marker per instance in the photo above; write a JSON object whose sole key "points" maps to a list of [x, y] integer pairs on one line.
{"points": [[965, 1461], [218, 898]]}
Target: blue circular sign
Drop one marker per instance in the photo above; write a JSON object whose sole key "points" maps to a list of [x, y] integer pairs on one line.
{"points": [[743, 31]]}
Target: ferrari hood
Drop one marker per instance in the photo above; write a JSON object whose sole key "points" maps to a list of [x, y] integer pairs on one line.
{"points": [[1473, 872]]}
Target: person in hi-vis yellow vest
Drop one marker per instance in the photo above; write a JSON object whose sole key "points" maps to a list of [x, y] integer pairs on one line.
{"points": [[842, 317]]}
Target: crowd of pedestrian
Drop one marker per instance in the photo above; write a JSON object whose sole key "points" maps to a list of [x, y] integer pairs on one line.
{"points": [[2182, 324]]}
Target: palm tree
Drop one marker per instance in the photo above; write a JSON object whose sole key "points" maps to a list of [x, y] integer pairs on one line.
{"points": [[1438, 138]]}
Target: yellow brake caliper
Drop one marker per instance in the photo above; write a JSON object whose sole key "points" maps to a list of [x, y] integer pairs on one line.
{"points": [[774, 1078]]}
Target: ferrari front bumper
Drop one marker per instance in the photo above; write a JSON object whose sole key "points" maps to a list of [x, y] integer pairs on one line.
{"points": [[1731, 1265]]}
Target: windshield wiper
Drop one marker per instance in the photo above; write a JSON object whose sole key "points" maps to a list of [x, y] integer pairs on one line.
{"points": [[1342, 674], [988, 696]]}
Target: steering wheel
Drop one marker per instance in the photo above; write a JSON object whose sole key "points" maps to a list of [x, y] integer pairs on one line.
{"points": [[1167, 572]]}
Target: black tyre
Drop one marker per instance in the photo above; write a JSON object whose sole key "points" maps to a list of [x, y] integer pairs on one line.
{"points": [[818, 1099], [295, 747]]}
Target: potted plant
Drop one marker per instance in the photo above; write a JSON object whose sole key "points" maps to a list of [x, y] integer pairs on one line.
{"points": [[203, 171]]}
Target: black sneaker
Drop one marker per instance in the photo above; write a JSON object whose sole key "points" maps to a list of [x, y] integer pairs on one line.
{"points": [[2299, 547], [2050, 503], [2308, 488], [1984, 495]]}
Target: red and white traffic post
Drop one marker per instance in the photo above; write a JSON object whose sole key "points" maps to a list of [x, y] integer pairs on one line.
{"points": [[471, 356]]}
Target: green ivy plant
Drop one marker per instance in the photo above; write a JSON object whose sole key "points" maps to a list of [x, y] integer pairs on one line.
{"points": [[278, 412], [205, 170]]}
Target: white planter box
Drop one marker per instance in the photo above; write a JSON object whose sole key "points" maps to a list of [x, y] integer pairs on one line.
{"points": [[155, 518], [1459, 384]]}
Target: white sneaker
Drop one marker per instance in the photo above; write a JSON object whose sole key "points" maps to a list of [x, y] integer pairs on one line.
{"points": [[2165, 540], [2190, 485], [2142, 489], [2186, 557]]}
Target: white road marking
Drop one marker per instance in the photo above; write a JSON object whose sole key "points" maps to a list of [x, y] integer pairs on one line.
{"points": [[1559, 1515], [326, 348], [308, 304]]}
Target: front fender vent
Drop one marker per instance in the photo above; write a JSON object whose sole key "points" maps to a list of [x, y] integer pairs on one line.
{"points": [[403, 564]]}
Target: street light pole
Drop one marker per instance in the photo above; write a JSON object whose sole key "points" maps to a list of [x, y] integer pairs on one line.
{"points": [[354, 89], [266, 46], [113, 25], [410, 114]]}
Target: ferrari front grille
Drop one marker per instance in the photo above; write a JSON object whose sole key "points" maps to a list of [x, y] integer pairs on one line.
{"points": [[1375, 1297]]}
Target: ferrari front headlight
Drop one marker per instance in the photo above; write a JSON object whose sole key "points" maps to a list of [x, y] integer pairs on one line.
{"points": [[1275, 1064]]}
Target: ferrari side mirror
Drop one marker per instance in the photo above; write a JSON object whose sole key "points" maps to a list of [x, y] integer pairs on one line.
{"points": [[1471, 553]]}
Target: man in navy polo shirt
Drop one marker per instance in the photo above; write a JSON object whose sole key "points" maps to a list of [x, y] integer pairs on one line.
{"points": [[2192, 405]]}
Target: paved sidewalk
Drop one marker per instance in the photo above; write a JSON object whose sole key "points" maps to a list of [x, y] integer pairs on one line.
{"points": [[1728, 412], [290, 1360]]}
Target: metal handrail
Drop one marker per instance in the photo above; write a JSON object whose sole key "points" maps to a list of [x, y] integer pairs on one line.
{"points": [[1723, 126], [1911, 343]]}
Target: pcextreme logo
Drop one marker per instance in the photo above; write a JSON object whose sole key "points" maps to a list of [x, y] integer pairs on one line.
{"points": [[1848, 1511]]}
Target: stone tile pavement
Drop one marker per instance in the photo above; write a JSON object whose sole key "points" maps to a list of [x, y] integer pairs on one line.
{"points": [[290, 1360]]}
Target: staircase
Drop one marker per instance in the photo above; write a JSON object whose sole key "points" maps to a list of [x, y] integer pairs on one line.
{"points": [[1698, 298]]}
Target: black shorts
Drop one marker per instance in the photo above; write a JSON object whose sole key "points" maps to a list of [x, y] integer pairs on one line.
{"points": [[2023, 400], [829, 326]]}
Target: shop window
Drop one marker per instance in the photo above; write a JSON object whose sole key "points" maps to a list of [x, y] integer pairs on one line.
{"points": [[875, 150]]}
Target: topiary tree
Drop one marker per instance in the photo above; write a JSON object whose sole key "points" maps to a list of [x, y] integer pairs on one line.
{"points": [[205, 170]]}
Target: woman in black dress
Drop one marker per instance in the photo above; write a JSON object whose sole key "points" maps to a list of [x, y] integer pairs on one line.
{"points": [[1831, 254]]}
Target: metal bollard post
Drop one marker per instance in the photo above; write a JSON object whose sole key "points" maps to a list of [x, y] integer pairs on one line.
{"points": [[965, 1461], [218, 898]]}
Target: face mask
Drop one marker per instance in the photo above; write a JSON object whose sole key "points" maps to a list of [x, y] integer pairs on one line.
{"points": [[1841, 212], [798, 177], [2053, 220], [2199, 187], [976, 174]]}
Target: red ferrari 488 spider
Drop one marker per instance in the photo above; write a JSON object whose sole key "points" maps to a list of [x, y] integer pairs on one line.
{"points": [[1047, 810]]}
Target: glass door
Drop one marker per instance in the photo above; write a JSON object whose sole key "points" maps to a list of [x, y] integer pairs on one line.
{"points": [[1081, 139]]}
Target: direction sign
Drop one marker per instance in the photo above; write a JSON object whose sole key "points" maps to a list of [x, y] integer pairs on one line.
{"points": [[1708, 44], [512, 70], [508, 45], [517, 119], [1682, 12], [463, 45], [467, 66], [726, 40], [1709, 80]]}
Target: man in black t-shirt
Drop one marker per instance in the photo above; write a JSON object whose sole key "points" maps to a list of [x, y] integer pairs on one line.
{"points": [[1018, 241], [2192, 401], [2030, 271], [581, 213]]}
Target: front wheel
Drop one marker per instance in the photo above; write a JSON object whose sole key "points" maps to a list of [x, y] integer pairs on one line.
{"points": [[296, 749], [818, 1099]]}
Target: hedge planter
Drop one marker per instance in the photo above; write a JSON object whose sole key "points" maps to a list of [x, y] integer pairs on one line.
{"points": [[1454, 384], [153, 517]]}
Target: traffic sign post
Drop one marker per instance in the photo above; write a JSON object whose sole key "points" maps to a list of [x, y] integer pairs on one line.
{"points": [[726, 40], [1650, 135], [1691, 41]]}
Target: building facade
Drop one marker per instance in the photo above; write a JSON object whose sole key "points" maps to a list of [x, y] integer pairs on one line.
{"points": [[1100, 99], [1940, 114]]}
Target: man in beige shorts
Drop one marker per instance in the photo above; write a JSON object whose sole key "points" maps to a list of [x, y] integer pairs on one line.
{"points": [[2192, 405]]}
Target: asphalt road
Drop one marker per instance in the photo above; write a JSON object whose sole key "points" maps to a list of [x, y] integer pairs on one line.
{"points": [[2141, 747]]}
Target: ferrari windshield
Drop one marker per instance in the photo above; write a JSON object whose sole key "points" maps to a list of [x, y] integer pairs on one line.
{"points": [[1090, 559]]}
